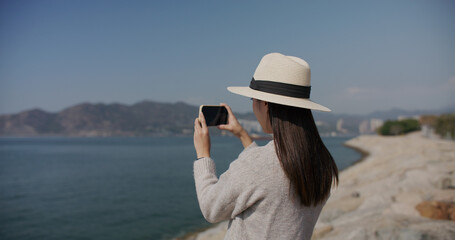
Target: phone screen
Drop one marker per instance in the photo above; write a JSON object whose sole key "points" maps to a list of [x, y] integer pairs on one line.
{"points": [[215, 115]]}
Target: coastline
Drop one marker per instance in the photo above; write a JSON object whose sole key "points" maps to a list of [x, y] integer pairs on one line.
{"points": [[378, 194], [214, 232], [363, 154], [206, 231]]}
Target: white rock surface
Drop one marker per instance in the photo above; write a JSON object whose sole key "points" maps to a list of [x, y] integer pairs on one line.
{"points": [[399, 173]]}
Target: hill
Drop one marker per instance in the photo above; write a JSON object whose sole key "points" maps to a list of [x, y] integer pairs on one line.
{"points": [[143, 118]]}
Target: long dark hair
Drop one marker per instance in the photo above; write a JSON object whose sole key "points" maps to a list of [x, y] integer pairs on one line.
{"points": [[303, 156]]}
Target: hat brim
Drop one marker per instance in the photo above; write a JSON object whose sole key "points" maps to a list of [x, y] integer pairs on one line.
{"points": [[274, 98]]}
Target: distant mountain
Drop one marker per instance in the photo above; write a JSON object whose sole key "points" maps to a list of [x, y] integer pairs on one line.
{"points": [[148, 118], [143, 118]]}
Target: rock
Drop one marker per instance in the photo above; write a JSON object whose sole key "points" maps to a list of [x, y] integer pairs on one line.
{"points": [[216, 233], [382, 196], [409, 198], [322, 229], [444, 183], [451, 212], [436, 210]]}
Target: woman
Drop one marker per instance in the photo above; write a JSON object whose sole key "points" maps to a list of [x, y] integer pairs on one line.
{"points": [[276, 191]]}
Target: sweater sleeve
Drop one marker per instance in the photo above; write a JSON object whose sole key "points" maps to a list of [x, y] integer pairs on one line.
{"points": [[235, 190]]}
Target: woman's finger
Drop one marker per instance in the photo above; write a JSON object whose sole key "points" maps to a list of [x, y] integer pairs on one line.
{"points": [[223, 127], [227, 108], [202, 120], [231, 117], [197, 124]]}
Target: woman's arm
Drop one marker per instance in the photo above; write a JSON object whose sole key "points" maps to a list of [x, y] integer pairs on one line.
{"points": [[245, 139], [226, 197], [201, 137], [235, 190]]}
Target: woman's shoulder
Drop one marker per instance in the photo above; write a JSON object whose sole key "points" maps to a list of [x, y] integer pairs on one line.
{"points": [[257, 157], [255, 151], [259, 165]]}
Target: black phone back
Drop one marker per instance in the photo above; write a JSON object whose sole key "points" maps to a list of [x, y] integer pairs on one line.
{"points": [[215, 115]]}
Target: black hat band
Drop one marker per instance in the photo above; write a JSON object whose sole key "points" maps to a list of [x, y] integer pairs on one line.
{"points": [[284, 89]]}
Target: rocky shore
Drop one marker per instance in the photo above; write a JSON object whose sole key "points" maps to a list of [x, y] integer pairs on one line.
{"points": [[404, 188]]}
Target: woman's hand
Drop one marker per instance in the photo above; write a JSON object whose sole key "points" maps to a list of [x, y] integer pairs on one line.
{"points": [[233, 124], [235, 128], [201, 137]]}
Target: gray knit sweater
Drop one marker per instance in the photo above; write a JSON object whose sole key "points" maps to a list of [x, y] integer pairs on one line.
{"points": [[254, 195]]}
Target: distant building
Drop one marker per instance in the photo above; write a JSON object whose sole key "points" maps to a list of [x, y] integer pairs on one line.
{"points": [[363, 127], [375, 124], [370, 126], [340, 127], [251, 126]]}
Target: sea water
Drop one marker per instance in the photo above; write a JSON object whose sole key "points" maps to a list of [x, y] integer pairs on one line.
{"points": [[109, 188]]}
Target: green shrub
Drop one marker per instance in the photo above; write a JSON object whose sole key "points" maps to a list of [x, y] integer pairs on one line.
{"points": [[399, 127], [445, 125]]}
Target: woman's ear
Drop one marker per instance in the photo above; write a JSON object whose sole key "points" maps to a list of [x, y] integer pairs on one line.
{"points": [[266, 105]]}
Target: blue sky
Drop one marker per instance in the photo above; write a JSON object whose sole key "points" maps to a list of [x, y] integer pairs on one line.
{"points": [[364, 55]]}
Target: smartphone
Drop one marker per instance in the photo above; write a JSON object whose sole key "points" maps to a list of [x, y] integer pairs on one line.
{"points": [[214, 115]]}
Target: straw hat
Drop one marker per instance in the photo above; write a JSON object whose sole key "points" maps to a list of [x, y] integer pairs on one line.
{"points": [[281, 79]]}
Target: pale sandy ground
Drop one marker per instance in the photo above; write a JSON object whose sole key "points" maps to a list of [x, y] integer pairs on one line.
{"points": [[376, 198]]}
